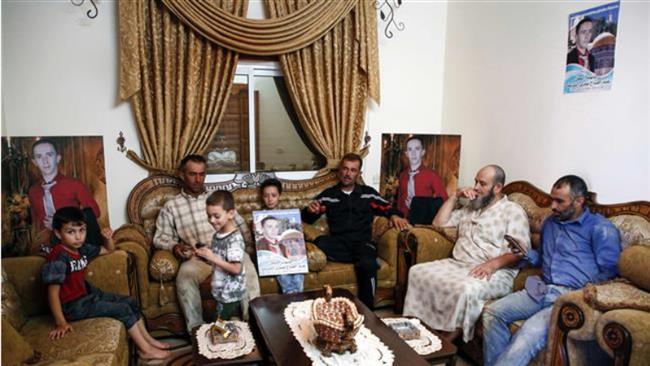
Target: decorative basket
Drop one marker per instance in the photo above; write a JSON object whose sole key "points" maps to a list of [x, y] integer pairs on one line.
{"points": [[336, 321]]}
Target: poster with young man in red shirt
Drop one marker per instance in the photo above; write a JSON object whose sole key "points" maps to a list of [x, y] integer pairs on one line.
{"points": [[42, 174]]}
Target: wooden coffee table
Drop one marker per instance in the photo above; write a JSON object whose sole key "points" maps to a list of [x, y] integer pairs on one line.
{"points": [[267, 323], [253, 358], [446, 354]]}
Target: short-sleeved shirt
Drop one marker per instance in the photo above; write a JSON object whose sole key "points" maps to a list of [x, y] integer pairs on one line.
{"points": [[68, 269], [227, 287], [481, 232]]}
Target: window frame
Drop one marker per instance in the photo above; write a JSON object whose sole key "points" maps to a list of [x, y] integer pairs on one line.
{"points": [[250, 69]]}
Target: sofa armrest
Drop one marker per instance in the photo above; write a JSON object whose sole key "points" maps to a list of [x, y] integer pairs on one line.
{"points": [[141, 262], [385, 237], [571, 317], [316, 258], [427, 244], [132, 233], [110, 273], [625, 335]]}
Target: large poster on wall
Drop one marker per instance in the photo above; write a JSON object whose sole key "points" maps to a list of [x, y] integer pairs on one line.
{"points": [[41, 174], [419, 172], [590, 51]]}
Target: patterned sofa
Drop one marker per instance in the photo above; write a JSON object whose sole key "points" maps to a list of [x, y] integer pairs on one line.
{"points": [[582, 330], [26, 317], [156, 269]]}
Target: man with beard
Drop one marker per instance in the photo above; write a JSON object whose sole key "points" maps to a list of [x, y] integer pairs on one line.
{"points": [[449, 294], [350, 210], [577, 247]]}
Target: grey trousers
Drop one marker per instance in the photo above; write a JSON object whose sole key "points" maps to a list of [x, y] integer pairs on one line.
{"points": [[194, 271]]}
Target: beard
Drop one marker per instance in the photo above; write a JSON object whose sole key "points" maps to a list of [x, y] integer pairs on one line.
{"points": [[566, 214], [481, 202]]}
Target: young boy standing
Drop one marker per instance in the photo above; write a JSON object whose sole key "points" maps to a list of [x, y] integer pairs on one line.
{"points": [[226, 254], [72, 298], [271, 190]]}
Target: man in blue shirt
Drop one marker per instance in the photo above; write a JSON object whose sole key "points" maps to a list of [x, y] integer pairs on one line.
{"points": [[577, 247]]}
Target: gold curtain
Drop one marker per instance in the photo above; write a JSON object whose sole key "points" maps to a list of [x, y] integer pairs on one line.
{"points": [[177, 81], [328, 52], [328, 88]]}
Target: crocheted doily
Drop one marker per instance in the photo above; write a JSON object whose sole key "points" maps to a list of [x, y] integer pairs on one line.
{"points": [[370, 349], [243, 346], [426, 344]]}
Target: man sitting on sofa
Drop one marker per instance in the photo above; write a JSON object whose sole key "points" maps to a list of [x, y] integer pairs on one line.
{"points": [[350, 210], [449, 294], [577, 247], [182, 224]]}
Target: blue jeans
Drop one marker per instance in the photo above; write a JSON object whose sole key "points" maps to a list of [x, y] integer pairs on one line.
{"points": [[103, 304], [499, 347], [291, 283]]}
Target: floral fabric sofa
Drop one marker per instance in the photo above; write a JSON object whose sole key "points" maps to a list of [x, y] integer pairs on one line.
{"points": [[26, 317], [156, 269], [577, 334]]}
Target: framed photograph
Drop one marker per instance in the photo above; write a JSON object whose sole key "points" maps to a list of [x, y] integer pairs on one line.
{"points": [[418, 173], [41, 174], [279, 242]]}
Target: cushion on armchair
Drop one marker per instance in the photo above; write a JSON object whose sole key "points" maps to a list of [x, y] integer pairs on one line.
{"points": [[12, 308], [15, 349], [163, 266], [634, 263], [316, 258], [617, 294]]}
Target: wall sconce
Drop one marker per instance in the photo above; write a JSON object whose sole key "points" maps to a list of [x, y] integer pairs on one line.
{"points": [[90, 13], [387, 10]]}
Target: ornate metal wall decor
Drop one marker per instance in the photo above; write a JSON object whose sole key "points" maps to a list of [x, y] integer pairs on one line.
{"points": [[120, 142], [387, 10], [92, 13]]}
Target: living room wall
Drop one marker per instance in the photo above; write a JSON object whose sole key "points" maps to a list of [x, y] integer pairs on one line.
{"points": [[60, 69], [503, 91]]}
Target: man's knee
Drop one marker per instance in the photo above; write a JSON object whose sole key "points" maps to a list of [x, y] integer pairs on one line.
{"points": [[368, 265]]}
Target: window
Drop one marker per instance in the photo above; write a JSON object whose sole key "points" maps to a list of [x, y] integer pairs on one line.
{"points": [[263, 135]]}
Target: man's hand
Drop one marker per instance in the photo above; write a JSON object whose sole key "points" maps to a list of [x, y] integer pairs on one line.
{"points": [[400, 223], [207, 254], [315, 207], [515, 246], [60, 331], [484, 270], [467, 192], [183, 251]]}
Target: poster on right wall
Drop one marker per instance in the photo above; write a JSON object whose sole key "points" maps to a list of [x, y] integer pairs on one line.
{"points": [[590, 51]]}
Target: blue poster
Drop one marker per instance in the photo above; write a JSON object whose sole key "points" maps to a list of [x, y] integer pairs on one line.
{"points": [[591, 46]]}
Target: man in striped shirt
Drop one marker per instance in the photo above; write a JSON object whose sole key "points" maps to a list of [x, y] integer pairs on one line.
{"points": [[350, 211], [182, 224]]}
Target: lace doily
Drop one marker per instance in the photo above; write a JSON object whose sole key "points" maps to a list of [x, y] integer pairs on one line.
{"points": [[426, 344], [370, 349], [243, 346]]}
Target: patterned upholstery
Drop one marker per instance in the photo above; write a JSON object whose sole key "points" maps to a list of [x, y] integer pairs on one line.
{"points": [[98, 341]]}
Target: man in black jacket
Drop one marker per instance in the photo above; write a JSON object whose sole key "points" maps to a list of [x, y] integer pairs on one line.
{"points": [[350, 210]]}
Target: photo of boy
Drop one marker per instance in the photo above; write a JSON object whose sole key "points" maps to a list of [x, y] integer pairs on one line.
{"points": [[72, 298], [271, 190], [225, 254]]}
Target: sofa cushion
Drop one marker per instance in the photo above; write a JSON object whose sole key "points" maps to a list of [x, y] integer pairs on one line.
{"points": [[89, 336], [616, 295], [163, 266], [12, 308], [632, 228], [15, 349], [633, 265], [25, 274]]}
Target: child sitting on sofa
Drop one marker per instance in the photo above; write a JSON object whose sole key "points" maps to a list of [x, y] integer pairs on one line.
{"points": [[72, 298], [271, 190], [226, 254]]}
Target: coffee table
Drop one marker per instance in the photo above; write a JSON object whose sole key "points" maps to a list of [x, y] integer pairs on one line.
{"points": [[267, 323], [253, 358], [446, 354]]}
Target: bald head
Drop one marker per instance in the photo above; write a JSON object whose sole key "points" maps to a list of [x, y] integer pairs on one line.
{"points": [[497, 174]]}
